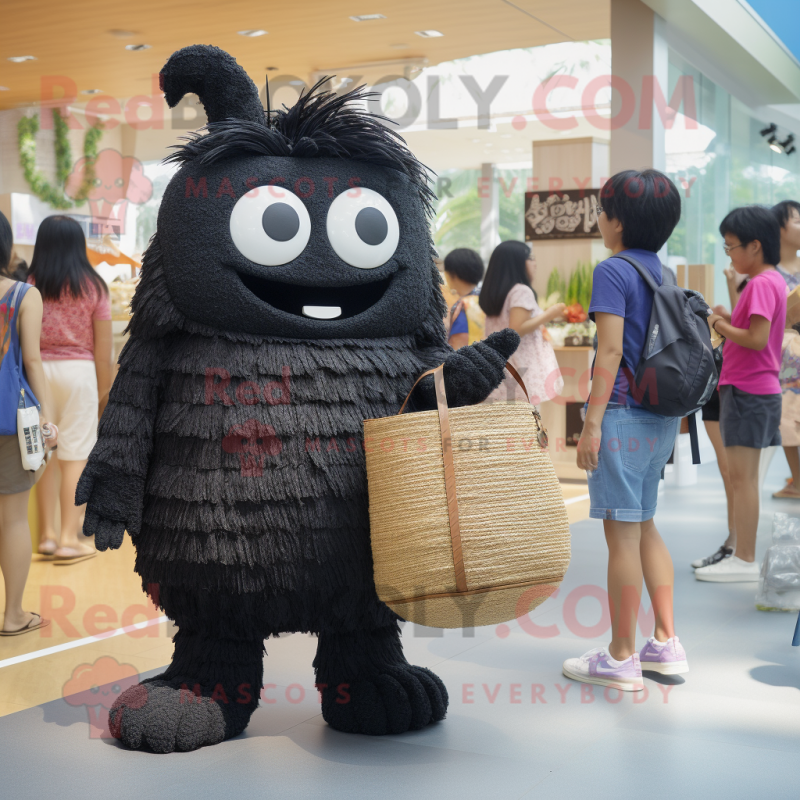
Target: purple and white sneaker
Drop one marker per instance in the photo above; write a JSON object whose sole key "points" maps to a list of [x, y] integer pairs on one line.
{"points": [[598, 667], [668, 658]]}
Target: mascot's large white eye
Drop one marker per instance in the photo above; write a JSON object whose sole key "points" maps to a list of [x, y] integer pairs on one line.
{"points": [[363, 228], [271, 226]]}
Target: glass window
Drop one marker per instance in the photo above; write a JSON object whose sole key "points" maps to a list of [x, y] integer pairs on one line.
{"points": [[720, 164]]}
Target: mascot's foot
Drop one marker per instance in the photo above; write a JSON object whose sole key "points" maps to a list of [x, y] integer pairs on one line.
{"points": [[401, 698], [157, 715]]}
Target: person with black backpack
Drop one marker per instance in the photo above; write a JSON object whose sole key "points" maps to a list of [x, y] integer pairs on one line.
{"points": [[646, 333]]}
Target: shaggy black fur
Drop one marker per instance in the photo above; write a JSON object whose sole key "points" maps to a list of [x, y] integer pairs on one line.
{"points": [[231, 451]]}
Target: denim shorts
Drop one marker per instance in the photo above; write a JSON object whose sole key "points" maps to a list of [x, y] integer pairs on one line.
{"points": [[635, 445]]}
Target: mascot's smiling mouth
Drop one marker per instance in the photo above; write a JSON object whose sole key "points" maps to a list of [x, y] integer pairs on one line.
{"points": [[317, 302]]}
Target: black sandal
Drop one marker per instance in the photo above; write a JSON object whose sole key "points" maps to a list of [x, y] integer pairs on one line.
{"points": [[43, 623]]}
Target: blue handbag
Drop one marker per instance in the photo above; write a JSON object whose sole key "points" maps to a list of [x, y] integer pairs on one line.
{"points": [[14, 389]]}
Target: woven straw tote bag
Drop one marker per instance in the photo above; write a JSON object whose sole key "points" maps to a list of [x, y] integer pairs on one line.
{"points": [[467, 519]]}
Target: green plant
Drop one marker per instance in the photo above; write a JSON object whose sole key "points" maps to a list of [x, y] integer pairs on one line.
{"points": [[585, 271], [27, 128], [572, 289], [555, 284]]}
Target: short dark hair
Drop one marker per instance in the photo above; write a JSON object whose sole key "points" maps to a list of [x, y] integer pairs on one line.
{"points": [[783, 211], [755, 223], [6, 243], [646, 203], [465, 264], [506, 269]]}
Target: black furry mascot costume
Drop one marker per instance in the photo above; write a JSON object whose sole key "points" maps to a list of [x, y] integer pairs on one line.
{"points": [[288, 294]]}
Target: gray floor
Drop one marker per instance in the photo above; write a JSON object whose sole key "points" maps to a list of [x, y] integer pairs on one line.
{"points": [[731, 729]]}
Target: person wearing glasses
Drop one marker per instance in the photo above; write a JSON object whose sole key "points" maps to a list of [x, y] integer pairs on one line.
{"points": [[749, 388], [624, 447]]}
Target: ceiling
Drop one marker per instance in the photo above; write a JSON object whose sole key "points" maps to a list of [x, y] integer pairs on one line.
{"points": [[84, 40]]}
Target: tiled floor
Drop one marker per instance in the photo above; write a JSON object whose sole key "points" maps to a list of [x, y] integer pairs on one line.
{"points": [[516, 727]]}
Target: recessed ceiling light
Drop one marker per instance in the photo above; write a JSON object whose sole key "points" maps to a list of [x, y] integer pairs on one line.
{"points": [[137, 46], [20, 59], [4, 89], [252, 33], [92, 91], [429, 34], [367, 17]]}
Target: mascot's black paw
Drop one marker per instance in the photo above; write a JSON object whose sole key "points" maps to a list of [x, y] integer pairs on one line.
{"points": [[401, 698], [471, 373], [157, 715]]}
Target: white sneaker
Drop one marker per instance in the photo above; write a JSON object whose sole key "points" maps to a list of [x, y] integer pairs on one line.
{"points": [[730, 570]]}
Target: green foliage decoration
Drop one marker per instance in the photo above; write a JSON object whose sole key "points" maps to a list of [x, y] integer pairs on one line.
{"points": [[53, 194], [555, 284]]}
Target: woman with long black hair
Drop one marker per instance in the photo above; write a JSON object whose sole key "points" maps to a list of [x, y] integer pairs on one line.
{"points": [[77, 356], [508, 300]]}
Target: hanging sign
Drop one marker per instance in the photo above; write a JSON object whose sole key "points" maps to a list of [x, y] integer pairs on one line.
{"points": [[569, 214]]}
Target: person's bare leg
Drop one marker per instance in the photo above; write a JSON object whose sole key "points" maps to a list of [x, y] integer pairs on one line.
{"points": [[743, 463], [15, 557], [70, 513], [712, 429], [46, 500], [793, 459], [659, 577], [624, 585]]}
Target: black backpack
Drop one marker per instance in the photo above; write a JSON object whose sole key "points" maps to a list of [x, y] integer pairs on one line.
{"points": [[676, 373]]}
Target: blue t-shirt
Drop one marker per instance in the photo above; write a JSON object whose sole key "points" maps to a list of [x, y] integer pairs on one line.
{"points": [[617, 288], [460, 324]]}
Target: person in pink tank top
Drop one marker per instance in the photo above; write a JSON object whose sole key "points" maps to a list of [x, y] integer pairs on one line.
{"points": [[77, 355]]}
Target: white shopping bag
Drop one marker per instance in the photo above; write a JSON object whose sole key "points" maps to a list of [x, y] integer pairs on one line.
{"points": [[30, 438]]}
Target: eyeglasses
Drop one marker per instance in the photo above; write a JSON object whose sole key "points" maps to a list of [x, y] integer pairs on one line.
{"points": [[599, 210], [728, 249]]}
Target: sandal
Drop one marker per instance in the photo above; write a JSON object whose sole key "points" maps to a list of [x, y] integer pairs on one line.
{"points": [[42, 623], [72, 555], [789, 492], [48, 547]]}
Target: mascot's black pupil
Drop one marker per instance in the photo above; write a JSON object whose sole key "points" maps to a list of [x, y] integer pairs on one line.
{"points": [[280, 222], [371, 226]]}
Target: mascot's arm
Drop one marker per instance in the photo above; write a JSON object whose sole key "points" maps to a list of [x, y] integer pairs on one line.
{"points": [[471, 373], [112, 484]]}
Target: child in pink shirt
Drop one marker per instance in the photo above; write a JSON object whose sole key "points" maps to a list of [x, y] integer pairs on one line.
{"points": [[750, 392]]}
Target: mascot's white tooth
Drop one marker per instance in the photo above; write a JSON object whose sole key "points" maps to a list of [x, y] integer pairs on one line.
{"points": [[322, 312]]}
